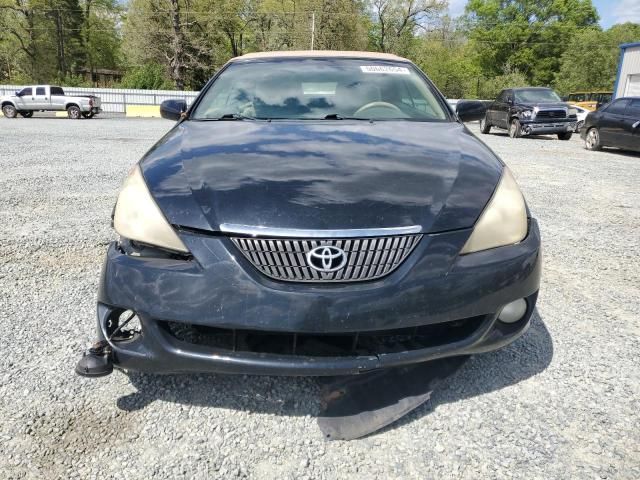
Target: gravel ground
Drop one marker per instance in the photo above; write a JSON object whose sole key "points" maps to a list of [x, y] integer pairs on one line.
{"points": [[561, 402]]}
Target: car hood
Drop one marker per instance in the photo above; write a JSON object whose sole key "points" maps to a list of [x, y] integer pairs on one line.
{"points": [[321, 174]]}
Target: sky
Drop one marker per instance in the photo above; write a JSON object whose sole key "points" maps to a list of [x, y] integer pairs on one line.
{"points": [[610, 11]]}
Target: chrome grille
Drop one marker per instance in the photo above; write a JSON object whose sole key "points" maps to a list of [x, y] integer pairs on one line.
{"points": [[367, 258]]}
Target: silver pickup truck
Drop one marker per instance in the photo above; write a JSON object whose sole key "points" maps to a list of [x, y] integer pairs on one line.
{"points": [[48, 97]]}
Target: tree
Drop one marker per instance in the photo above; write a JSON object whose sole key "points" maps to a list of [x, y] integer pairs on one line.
{"points": [[67, 20], [165, 32], [101, 36], [339, 24], [274, 25], [151, 76], [528, 35], [591, 58], [51, 40], [192, 38], [22, 33], [398, 20], [447, 58], [181, 43]]}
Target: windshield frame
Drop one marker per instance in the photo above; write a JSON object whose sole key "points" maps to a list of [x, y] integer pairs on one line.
{"points": [[440, 99]]}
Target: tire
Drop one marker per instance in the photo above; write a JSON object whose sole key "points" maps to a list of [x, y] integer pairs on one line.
{"points": [[515, 129], [9, 111], [565, 136], [73, 112], [484, 126], [87, 115], [28, 114], [592, 140]]}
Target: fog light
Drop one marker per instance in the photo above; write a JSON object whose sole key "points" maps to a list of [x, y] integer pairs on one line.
{"points": [[122, 325], [514, 311]]}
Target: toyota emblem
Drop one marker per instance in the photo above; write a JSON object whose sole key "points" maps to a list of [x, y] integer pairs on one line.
{"points": [[326, 258]]}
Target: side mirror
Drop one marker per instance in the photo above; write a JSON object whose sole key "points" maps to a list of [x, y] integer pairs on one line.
{"points": [[18, 94], [173, 109], [470, 110]]}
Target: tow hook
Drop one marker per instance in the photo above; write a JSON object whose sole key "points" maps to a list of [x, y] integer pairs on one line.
{"points": [[96, 361]]}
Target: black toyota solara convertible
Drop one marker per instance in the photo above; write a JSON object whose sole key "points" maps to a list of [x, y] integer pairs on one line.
{"points": [[315, 213]]}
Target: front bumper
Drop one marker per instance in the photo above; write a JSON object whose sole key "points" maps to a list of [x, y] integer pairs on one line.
{"points": [[539, 127], [218, 288]]}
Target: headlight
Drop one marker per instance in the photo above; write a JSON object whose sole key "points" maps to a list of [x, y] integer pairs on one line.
{"points": [[504, 219], [573, 112], [526, 114], [137, 217]]}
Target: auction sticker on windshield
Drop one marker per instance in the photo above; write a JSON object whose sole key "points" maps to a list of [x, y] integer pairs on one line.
{"points": [[384, 69]]}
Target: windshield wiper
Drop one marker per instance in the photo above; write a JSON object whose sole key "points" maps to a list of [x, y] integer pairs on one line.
{"points": [[238, 116], [337, 116], [232, 116]]}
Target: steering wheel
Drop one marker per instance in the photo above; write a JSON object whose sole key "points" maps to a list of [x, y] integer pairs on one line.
{"points": [[372, 105]]}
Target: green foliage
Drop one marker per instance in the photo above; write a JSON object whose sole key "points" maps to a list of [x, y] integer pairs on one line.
{"points": [[449, 64], [54, 40], [591, 58], [397, 22], [192, 38], [510, 78], [102, 38], [73, 81], [452, 66], [151, 76], [163, 44], [528, 35], [340, 25]]}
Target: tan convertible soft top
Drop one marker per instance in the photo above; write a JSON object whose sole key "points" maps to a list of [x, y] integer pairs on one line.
{"points": [[320, 54]]}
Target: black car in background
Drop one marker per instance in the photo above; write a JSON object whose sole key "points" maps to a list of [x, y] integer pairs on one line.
{"points": [[614, 125], [530, 111], [315, 213]]}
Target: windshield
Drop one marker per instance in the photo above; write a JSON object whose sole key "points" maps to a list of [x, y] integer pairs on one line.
{"points": [[306, 89], [536, 95]]}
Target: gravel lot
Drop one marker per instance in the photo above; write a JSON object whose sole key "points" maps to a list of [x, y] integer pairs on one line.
{"points": [[561, 402]]}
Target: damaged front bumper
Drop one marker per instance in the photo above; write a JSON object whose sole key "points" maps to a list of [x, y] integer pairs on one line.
{"points": [[216, 313], [537, 127], [157, 351]]}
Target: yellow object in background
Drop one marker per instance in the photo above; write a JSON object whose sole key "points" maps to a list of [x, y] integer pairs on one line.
{"points": [[143, 111]]}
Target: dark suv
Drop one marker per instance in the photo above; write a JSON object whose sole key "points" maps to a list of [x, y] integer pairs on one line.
{"points": [[530, 111]]}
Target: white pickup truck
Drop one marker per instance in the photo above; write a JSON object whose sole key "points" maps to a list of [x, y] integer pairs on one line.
{"points": [[48, 97]]}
